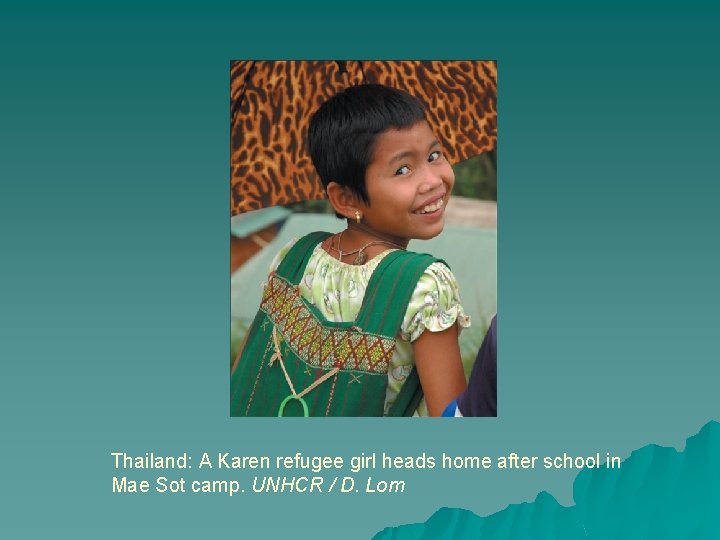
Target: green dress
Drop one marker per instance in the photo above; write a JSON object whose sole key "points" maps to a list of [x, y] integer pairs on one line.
{"points": [[325, 336]]}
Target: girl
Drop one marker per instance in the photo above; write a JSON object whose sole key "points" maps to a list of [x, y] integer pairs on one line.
{"points": [[351, 324]]}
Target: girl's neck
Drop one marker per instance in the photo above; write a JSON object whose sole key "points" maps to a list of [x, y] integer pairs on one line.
{"points": [[361, 233]]}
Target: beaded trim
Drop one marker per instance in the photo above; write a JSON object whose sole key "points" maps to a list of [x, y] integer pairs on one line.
{"points": [[344, 348]]}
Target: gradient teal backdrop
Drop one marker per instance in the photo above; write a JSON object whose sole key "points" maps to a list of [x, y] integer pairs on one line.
{"points": [[114, 197]]}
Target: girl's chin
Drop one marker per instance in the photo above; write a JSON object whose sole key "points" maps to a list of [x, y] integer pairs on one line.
{"points": [[426, 233]]}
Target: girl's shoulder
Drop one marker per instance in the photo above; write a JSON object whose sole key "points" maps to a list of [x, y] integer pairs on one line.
{"points": [[437, 277], [434, 305]]}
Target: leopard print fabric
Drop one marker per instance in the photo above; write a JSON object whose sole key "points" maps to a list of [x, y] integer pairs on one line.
{"points": [[272, 102]]}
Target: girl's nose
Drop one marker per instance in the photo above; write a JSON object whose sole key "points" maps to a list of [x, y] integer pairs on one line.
{"points": [[430, 181]]}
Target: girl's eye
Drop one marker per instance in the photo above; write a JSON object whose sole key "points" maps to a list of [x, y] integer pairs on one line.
{"points": [[434, 156], [402, 170]]}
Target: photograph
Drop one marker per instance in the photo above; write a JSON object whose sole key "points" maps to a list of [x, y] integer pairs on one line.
{"points": [[363, 245]]}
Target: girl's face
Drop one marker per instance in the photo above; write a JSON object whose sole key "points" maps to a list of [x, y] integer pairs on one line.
{"points": [[408, 184]]}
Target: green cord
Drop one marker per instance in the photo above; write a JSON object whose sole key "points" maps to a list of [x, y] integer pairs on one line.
{"points": [[301, 400]]}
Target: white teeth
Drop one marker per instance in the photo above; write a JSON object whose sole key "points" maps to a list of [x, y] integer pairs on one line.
{"points": [[431, 207]]}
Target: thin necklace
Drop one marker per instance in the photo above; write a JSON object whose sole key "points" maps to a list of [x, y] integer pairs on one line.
{"points": [[361, 255], [387, 238]]}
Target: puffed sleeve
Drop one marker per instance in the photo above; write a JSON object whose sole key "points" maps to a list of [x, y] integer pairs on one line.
{"points": [[434, 305]]}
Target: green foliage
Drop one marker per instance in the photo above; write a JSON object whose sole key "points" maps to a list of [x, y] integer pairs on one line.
{"points": [[476, 178]]}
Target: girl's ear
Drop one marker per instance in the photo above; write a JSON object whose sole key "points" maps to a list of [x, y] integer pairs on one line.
{"points": [[343, 200]]}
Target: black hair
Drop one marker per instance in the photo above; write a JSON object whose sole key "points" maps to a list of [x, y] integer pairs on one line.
{"points": [[343, 131]]}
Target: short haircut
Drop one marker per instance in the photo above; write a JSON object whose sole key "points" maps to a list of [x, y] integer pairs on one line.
{"points": [[343, 131]]}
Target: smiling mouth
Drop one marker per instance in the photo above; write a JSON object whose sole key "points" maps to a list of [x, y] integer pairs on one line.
{"points": [[432, 207]]}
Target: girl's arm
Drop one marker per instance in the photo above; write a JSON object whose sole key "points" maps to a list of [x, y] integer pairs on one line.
{"points": [[437, 357]]}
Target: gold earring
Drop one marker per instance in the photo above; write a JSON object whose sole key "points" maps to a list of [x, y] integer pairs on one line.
{"points": [[358, 216]]}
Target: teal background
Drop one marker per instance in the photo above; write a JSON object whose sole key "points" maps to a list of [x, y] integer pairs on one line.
{"points": [[114, 160]]}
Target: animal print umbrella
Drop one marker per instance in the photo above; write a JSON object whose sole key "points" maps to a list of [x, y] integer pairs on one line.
{"points": [[272, 102]]}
